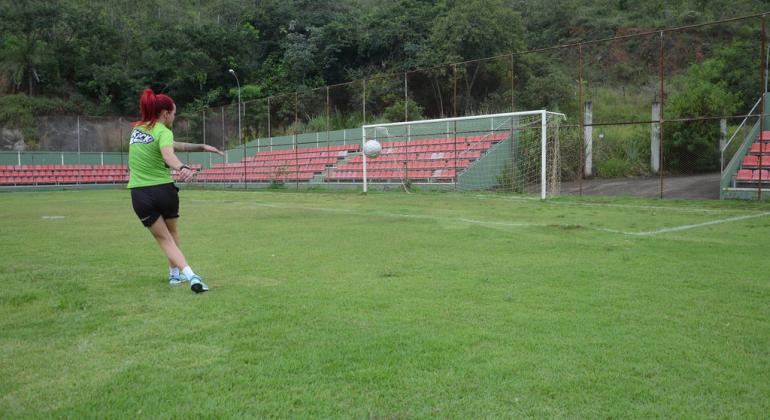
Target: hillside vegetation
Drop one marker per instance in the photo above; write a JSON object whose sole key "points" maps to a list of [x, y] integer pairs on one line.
{"points": [[97, 55]]}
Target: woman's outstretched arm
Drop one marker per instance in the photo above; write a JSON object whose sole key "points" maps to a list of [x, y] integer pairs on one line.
{"points": [[196, 147]]}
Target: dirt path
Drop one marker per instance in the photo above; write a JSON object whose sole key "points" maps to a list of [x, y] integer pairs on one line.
{"points": [[690, 186]]}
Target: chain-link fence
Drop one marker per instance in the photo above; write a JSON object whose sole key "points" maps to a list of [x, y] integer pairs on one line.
{"points": [[667, 113]]}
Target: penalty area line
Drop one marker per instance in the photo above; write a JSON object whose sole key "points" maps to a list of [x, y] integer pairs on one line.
{"points": [[698, 225], [512, 224]]}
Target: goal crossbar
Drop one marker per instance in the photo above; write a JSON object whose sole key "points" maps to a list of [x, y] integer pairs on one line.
{"points": [[473, 117]]}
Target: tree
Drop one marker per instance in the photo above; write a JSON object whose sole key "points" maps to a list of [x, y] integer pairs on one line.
{"points": [[700, 92], [468, 30], [473, 29], [26, 57]]}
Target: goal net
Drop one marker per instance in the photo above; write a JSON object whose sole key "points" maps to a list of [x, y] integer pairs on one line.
{"points": [[515, 152]]}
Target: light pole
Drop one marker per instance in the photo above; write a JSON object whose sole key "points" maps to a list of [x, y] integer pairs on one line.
{"points": [[239, 103], [239, 126]]}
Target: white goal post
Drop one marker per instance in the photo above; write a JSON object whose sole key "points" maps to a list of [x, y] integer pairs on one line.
{"points": [[515, 151]]}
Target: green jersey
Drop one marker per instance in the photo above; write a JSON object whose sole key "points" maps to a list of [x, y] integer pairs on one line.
{"points": [[145, 162]]}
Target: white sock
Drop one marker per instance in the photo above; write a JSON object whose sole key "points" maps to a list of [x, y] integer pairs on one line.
{"points": [[173, 271], [188, 272]]}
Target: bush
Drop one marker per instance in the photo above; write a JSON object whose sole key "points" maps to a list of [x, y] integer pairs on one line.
{"points": [[395, 112], [700, 92], [613, 168], [629, 144]]}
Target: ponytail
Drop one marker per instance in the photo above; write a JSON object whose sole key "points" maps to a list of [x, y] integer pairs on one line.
{"points": [[147, 107], [150, 106]]}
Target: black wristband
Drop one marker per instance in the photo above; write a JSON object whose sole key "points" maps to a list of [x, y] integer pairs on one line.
{"points": [[183, 167]]}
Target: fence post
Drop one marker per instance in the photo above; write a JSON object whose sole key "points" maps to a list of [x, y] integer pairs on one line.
{"points": [[513, 79], [120, 124], [582, 129], [224, 147], [78, 128], [662, 93], [269, 128], [722, 142], [328, 124], [406, 97], [588, 132], [655, 138], [203, 113]]}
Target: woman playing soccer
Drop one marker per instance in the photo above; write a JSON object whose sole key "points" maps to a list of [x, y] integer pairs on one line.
{"points": [[153, 194]]}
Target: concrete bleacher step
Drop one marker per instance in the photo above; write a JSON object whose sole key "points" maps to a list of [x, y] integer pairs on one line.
{"points": [[322, 176]]}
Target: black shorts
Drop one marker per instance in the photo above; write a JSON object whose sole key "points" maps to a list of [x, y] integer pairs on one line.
{"points": [[154, 201]]}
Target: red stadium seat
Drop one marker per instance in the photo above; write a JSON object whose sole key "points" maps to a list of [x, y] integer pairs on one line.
{"points": [[760, 147], [751, 161], [744, 175], [443, 174]]}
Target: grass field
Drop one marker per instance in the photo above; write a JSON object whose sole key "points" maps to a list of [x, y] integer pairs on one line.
{"points": [[387, 306]]}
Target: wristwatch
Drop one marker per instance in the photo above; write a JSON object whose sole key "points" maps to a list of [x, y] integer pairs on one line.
{"points": [[183, 167]]}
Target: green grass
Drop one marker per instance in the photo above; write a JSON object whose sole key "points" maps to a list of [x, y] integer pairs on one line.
{"points": [[387, 305]]}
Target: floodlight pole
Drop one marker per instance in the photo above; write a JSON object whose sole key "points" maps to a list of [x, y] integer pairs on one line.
{"points": [[231, 71], [240, 140]]}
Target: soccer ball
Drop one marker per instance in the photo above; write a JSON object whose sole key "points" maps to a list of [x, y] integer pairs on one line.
{"points": [[372, 148]]}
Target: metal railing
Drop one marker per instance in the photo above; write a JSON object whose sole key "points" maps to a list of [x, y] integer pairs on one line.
{"points": [[735, 134]]}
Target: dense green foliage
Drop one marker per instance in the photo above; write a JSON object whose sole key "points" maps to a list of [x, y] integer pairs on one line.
{"points": [[705, 90], [99, 54]]}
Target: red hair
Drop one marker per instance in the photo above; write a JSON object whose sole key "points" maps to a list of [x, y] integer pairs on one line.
{"points": [[151, 105]]}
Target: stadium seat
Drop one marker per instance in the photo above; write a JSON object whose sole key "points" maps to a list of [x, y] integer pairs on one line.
{"points": [[748, 175], [61, 174], [752, 161], [443, 174], [437, 159], [757, 147]]}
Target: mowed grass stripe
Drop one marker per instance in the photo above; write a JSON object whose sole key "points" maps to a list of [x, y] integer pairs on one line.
{"points": [[332, 314]]}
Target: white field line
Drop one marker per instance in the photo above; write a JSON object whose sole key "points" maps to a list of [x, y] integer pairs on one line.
{"points": [[497, 222], [628, 206], [285, 207], [697, 225]]}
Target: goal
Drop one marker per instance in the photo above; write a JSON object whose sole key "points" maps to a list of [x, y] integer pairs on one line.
{"points": [[515, 152]]}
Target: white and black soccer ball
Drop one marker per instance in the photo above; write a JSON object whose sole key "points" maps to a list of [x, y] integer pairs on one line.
{"points": [[372, 149]]}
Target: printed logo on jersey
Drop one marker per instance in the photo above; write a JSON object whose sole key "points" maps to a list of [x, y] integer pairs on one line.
{"points": [[137, 137]]}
